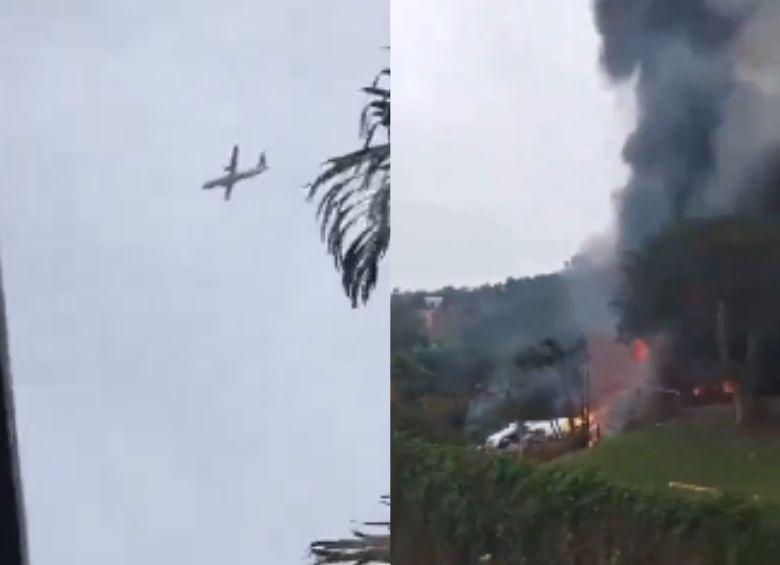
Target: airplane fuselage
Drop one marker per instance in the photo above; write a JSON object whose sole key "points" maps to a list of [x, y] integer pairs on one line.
{"points": [[229, 180], [233, 175]]}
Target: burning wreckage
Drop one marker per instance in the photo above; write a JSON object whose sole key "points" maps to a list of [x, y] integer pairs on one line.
{"points": [[536, 437], [698, 219], [548, 438], [621, 394], [625, 392], [518, 434]]}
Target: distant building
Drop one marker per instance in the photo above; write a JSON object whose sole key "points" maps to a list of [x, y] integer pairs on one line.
{"points": [[433, 302]]}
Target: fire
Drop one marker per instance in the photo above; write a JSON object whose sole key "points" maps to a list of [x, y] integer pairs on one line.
{"points": [[594, 433], [715, 390], [640, 351], [593, 422], [564, 423]]}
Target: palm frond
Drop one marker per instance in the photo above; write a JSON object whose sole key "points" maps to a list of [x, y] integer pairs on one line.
{"points": [[354, 199], [360, 549]]}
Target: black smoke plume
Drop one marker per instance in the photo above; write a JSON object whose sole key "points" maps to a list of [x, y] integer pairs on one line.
{"points": [[678, 53]]}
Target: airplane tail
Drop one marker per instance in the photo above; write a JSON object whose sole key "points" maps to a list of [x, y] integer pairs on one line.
{"points": [[261, 161]]}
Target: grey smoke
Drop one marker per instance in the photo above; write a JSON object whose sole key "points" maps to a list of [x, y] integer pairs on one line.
{"points": [[678, 54], [706, 76], [592, 281], [678, 57], [748, 142]]}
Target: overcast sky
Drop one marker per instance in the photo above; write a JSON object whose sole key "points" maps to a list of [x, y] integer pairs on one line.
{"points": [[192, 386], [507, 139]]}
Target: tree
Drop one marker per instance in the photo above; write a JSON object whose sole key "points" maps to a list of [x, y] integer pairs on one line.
{"points": [[360, 549], [407, 330], [354, 216], [550, 354], [409, 378], [699, 279], [458, 369], [354, 198]]}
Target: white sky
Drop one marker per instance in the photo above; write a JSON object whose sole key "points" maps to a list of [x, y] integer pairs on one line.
{"points": [[507, 139], [191, 384]]}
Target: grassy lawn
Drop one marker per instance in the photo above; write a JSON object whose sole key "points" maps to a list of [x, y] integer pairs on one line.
{"points": [[703, 448]]}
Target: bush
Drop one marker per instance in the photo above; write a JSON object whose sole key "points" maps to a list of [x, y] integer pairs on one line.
{"points": [[453, 505]]}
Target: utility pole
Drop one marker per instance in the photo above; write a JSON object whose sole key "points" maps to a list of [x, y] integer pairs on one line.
{"points": [[13, 536], [723, 347], [727, 367]]}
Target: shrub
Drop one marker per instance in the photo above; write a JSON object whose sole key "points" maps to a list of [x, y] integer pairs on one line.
{"points": [[454, 504]]}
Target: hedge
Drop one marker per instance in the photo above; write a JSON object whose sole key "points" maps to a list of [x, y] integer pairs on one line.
{"points": [[456, 505]]}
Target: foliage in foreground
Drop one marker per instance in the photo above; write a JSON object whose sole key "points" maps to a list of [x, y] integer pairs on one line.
{"points": [[457, 505], [354, 198], [360, 549]]}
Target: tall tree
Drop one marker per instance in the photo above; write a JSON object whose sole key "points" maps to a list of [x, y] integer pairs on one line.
{"points": [[568, 363], [711, 287], [13, 543], [354, 215], [354, 198]]}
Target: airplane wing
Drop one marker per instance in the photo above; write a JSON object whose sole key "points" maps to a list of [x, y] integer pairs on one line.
{"points": [[231, 168]]}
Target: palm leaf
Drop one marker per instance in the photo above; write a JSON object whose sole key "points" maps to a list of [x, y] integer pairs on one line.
{"points": [[360, 549], [354, 199]]}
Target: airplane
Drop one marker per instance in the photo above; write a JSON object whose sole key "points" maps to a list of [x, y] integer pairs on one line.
{"points": [[233, 176]]}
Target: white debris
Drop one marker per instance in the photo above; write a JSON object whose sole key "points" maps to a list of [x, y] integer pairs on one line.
{"points": [[498, 439], [519, 433]]}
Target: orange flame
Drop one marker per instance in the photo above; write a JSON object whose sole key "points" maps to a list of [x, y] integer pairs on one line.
{"points": [[640, 351]]}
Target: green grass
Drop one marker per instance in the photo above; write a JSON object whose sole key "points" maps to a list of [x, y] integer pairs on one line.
{"points": [[705, 449]]}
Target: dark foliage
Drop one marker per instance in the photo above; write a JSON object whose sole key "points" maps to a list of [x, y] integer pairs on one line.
{"points": [[411, 379], [493, 316], [13, 549], [457, 369], [674, 284], [456, 506], [549, 353], [567, 362], [354, 198], [678, 278], [406, 327]]}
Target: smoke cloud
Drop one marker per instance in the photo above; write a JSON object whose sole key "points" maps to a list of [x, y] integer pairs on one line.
{"points": [[706, 142], [747, 172], [706, 78], [592, 281], [681, 56]]}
